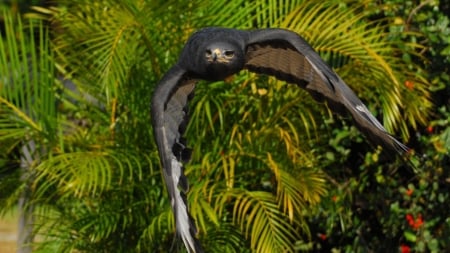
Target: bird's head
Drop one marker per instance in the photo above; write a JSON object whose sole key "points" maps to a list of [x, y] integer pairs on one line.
{"points": [[222, 59]]}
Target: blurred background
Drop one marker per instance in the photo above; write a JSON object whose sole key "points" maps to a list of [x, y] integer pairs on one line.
{"points": [[272, 169]]}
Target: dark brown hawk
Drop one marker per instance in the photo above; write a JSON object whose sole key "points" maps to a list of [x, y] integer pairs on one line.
{"points": [[213, 54]]}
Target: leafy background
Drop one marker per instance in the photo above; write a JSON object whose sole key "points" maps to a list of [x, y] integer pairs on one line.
{"points": [[272, 170]]}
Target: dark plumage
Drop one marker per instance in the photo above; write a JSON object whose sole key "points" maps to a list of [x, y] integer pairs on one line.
{"points": [[215, 53]]}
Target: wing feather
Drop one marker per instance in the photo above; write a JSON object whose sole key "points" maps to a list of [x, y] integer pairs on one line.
{"points": [[289, 57], [170, 116]]}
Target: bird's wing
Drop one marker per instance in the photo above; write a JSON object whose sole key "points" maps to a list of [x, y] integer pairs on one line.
{"points": [[287, 56], [170, 117]]}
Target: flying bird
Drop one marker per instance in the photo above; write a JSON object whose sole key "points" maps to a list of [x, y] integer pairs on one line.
{"points": [[213, 54]]}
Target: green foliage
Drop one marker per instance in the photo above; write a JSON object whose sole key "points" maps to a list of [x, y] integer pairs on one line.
{"points": [[384, 207], [27, 105], [264, 153]]}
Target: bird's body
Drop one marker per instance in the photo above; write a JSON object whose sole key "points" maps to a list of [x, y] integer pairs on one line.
{"points": [[213, 54]]}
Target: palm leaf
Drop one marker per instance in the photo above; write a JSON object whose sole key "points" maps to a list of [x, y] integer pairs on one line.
{"points": [[27, 101], [87, 173], [26, 90], [260, 219], [351, 44]]}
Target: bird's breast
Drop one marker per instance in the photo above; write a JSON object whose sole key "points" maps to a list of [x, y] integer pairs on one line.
{"points": [[218, 71]]}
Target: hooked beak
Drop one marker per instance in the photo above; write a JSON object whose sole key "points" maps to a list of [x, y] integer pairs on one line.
{"points": [[216, 54]]}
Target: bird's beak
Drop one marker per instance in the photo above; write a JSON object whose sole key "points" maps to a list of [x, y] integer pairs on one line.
{"points": [[216, 53]]}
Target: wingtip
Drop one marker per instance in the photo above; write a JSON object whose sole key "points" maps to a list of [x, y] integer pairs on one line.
{"points": [[406, 154], [188, 236], [401, 148]]}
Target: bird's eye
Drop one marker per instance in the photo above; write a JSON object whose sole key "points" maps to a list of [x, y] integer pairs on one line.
{"points": [[229, 53], [208, 53]]}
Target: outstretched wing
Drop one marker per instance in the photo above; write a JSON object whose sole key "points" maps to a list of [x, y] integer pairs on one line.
{"points": [[170, 117], [285, 55]]}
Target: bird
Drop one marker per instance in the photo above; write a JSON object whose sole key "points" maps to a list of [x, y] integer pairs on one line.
{"points": [[215, 53]]}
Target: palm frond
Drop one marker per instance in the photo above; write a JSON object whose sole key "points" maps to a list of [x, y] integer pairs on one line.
{"points": [[161, 224], [27, 102], [348, 42], [259, 217], [227, 239], [87, 173], [293, 191], [243, 14]]}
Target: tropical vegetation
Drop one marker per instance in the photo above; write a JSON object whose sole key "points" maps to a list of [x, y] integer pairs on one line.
{"points": [[272, 170]]}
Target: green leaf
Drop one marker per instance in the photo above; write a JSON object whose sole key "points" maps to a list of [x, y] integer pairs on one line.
{"points": [[410, 236]]}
